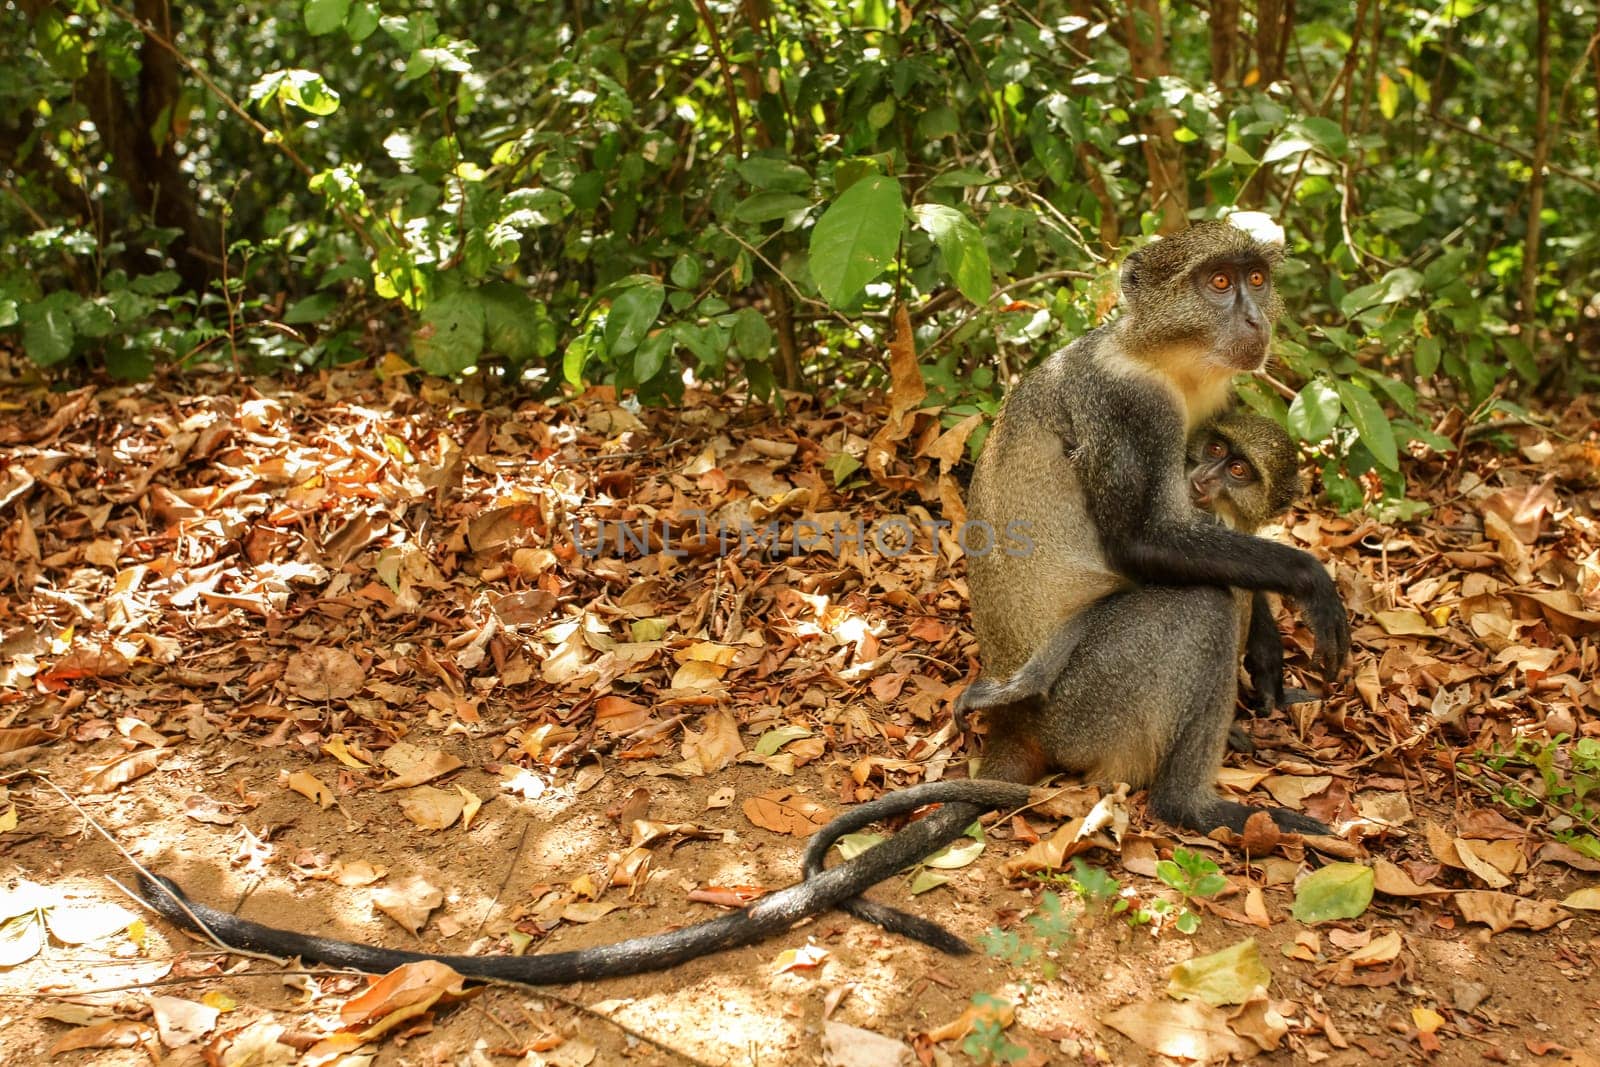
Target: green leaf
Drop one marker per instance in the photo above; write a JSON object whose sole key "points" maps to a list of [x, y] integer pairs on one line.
{"points": [[362, 21], [764, 172], [651, 356], [1425, 356], [856, 238], [770, 742], [764, 207], [957, 854], [1402, 283], [852, 845], [303, 89], [1337, 891], [1314, 411], [927, 879], [632, 314], [515, 325], [449, 335], [59, 45], [325, 16], [1228, 977], [751, 334], [47, 333], [961, 178], [686, 271], [1371, 423], [961, 244], [313, 308]]}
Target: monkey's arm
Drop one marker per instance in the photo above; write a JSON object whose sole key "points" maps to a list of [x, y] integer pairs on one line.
{"points": [[1033, 679], [766, 917], [1151, 534]]}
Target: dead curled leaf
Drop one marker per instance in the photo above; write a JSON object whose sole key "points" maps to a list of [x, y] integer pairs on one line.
{"points": [[414, 765], [1189, 1030], [784, 811], [104, 777], [114, 1033], [408, 902], [311, 787], [1503, 911], [403, 993], [324, 673]]}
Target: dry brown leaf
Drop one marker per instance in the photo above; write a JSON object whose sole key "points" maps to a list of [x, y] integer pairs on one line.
{"points": [[587, 911], [202, 808], [1070, 839], [356, 873], [1259, 1021], [182, 1022], [715, 748], [803, 958], [995, 1009], [1502, 911], [1485, 871], [850, 1046], [114, 1033], [414, 765], [906, 387], [1188, 1030], [1292, 790], [403, 993], [1382, 949], [16, 738], [430, 808], [104, 777], [311, 787], [1392, 881], [322, 674], [785, 811], [1587, 899], [410, 902]]}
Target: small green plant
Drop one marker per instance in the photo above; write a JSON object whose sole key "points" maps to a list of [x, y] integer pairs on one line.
{"points": [[1047, 932], [1561, 776], [1193, 876], [987, 1043]]}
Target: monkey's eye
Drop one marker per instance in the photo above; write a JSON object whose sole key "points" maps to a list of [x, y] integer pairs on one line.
{"points": [[1220, 282], [1239, 470], [1258, 278], [1215, 449]]}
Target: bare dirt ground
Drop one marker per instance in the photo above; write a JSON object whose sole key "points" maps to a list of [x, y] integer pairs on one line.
{"points": [[231, 619]]}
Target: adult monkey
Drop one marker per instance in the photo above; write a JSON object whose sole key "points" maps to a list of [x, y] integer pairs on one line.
{"points": [[1083, 474], [1164, 726]]}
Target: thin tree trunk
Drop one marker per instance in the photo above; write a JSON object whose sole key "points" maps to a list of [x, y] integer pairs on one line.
{"points": [[1541, 155], [1169, 193], [1224, 35]]}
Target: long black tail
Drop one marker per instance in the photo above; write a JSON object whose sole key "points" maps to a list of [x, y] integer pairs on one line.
{"points": [[771, 915], [963, 800]]}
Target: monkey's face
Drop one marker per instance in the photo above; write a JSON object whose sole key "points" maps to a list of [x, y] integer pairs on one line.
{"points": [[1237, 290], [1242, 469]]}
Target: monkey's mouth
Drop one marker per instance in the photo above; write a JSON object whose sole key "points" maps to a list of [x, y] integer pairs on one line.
{"points": [[1247, 353]]}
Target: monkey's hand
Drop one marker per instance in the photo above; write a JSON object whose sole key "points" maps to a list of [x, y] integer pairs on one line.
{"points": [[1329, 623]]}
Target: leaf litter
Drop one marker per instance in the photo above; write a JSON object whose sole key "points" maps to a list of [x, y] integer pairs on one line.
{"points": [[264, 606]]}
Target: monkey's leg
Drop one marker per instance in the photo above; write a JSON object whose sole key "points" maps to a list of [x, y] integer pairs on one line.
{"points": [[963, 802], [1263, 656], [1033, 679], [1184, 791]]}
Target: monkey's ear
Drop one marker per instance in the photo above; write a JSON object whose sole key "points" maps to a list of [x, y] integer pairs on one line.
{"points": [[1129, 279]]}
